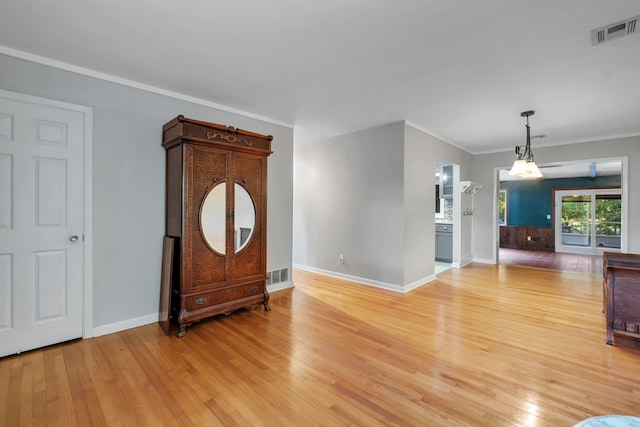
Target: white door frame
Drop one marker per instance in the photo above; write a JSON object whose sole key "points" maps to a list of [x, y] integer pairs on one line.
{"points": [[592, 249], [87, 269], [624, 185]]}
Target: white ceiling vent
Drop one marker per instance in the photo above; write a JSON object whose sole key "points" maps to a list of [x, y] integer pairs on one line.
{"points": [[613, 31]]}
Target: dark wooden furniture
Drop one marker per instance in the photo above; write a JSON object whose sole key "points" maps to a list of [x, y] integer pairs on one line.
{"points": [[216, 210], [621, 294], [523, 237], [164, 316]]}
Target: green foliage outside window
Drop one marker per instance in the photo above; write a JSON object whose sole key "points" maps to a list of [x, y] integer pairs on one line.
{"points": [[608, 216], [576, 214], [502, 207]]}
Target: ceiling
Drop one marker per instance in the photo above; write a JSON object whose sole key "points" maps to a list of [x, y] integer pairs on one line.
{"points": [[461, 70]]}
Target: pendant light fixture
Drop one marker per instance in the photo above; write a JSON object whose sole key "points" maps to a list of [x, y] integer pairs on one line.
{"points": [[524, 166]]}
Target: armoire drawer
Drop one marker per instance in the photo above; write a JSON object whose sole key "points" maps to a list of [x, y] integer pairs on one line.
{"points": [[199, 301]]}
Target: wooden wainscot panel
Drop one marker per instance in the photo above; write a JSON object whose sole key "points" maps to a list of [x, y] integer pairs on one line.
{"points": [[523, 237]]}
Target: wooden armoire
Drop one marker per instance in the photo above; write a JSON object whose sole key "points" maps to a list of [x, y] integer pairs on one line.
{"points": [[216, 212]]}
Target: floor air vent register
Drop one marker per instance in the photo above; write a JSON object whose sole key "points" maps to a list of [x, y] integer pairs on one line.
{"points": [[277, 276]]}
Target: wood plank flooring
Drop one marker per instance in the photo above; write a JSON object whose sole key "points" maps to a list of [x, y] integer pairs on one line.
{"points": [[480, 346], [591, 264]]}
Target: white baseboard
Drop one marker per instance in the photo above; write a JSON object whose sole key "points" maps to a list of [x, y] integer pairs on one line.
{"points": [[466, 261], [484, 261], [151, 318], [280, 286], [125, 324], [364, 281], [419, 283]]}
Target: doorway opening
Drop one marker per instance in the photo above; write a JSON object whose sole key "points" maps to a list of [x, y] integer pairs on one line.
{"points": [[446, 216], [584, 209]]}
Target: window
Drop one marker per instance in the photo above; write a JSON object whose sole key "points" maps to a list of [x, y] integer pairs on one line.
{"points": [[591, 220], [502, 206]]}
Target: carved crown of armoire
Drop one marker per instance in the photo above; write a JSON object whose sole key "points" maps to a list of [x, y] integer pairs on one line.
{"points": [[216, 211]]}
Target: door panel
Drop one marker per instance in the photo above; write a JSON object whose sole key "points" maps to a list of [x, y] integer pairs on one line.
{"points": [[50, 189], [202, 267], [609, 221], [576, 220], [250, 174], [6, 173], [50, 285], [588, 221], [41, 208], [6, 308]]}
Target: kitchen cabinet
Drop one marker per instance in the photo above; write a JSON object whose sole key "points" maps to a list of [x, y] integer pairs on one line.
{"points": [[444, 242], [447, 182]]}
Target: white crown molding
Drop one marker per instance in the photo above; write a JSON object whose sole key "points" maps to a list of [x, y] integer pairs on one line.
{"points": [[428, 132], [567, 142], [130, 83]]}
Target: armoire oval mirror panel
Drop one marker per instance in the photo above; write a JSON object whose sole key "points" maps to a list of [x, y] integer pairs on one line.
{"points": [[213, 218], [244, 217]]}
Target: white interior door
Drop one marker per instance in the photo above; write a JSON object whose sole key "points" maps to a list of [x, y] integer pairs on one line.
{"points": [[41, 225]]}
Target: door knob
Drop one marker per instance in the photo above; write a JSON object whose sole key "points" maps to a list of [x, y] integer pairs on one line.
{"points": [[73, 238]]}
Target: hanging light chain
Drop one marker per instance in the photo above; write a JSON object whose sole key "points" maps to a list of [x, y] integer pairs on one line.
{"points": [[524, 151]]}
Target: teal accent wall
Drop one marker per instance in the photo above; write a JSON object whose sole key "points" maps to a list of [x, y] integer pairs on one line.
{"points": [[530, 201]]}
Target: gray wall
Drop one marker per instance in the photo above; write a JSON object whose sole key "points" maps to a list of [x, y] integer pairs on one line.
{"points": [[349, 200], [370, 196], [422, 152], [128, 181], [484, 236], [359, 194]]}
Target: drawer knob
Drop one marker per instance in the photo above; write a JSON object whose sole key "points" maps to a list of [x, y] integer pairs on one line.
{"points": [[201, 300], [253, 288]]}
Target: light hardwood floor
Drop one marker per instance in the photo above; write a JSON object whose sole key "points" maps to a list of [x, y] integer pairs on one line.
{"points": [[480, 346]]}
